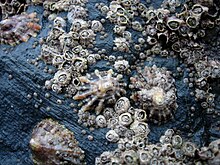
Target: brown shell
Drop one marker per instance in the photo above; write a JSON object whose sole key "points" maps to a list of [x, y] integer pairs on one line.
{"points": [[19, 28], [53, 144]]}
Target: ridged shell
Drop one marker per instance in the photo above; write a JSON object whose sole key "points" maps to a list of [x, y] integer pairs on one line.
{"points": [[53, 144], [154, 91]]}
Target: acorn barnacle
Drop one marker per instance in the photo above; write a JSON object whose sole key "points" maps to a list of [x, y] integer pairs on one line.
{"points": [[100, 87], [154, 91], [19, 28], [174, 23], [52, 143]]}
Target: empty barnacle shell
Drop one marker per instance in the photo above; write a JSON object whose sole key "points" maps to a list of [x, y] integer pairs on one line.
{"points": [[144, 157], [177, 141], [167, 149], [59, 22], [189, 149], [141, 7], [91, 59], [150, 14], [125, 119], [198, 9], [122, 20], [140, 115], [121, 129], [86, 36], [62, 77], [101, 121], [105, 157], [122, 105], [119, 29], [160, 26], [99, 87], [140, 128], [151, 40], [96, 26], [19, 28], [163, 37], [52, 143], [176, 47], [174, 23], [112, 136], [137, 26], [184, 30], [192, 21], [169, 132], [130, 157]]}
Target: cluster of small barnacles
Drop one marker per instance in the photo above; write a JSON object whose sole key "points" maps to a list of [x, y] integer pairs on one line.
{"points": [[12, 7], [172, 149], [160, 26], [207, 71], [151, 89]]}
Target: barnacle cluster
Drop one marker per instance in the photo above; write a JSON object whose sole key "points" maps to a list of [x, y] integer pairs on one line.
{"points": [[171, 149], [103, 97], [207, 71], [11, 7], [52, 143], [154, 91], [18, 28]]}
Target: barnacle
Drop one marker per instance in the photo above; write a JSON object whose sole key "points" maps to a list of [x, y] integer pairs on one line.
{"points": [[154, 91], [75, 12], [122, 44], [52, 143], [11, 7], [18, 28], [174, 23], [99, 87]]}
